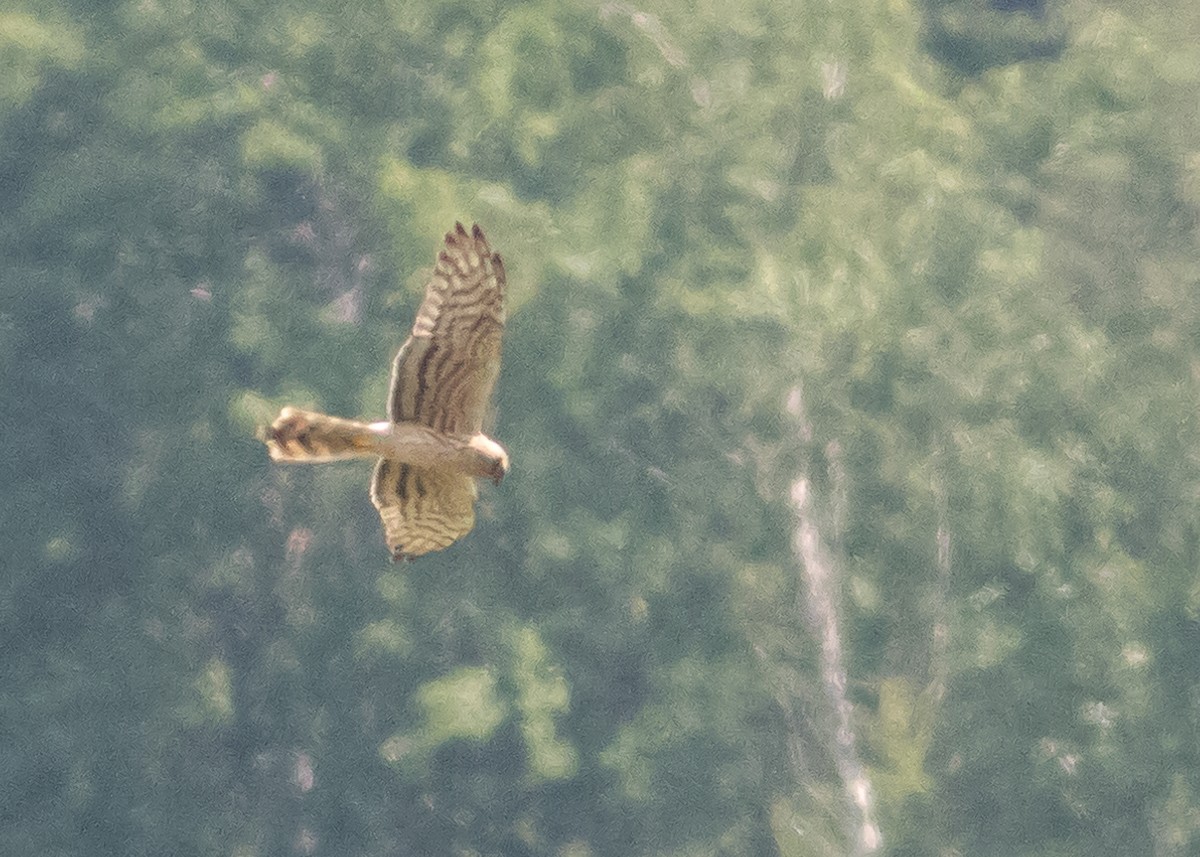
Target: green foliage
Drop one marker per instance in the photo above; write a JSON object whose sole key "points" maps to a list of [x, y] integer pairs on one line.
{"points": [[972, 36], [901, 736], [962, 235], [462, 705], [542, 695], [30, 49]]}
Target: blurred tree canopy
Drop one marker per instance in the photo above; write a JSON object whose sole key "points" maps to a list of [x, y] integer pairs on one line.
{"points": [[958, 237]]}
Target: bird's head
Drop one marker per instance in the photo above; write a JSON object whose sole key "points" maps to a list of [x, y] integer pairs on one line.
{"points": [[492, 459]]}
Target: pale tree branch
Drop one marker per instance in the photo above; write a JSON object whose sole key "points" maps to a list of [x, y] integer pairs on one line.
{"points": [[817, 602]]}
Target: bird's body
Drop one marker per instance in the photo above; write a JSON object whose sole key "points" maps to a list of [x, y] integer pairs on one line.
{"points": [[432, 447], [313, 438]]}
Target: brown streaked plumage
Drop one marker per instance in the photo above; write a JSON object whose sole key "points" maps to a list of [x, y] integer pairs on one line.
{"points": [[313, 438], [432, 447]]}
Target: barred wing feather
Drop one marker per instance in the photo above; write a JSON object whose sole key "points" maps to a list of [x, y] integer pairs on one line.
{"points": [[444, 375], [443, 378]]}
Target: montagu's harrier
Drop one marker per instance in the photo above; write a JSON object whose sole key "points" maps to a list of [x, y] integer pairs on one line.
{"points": [[432, 447]]}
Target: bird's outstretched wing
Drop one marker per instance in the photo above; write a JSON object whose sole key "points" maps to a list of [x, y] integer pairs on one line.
{"points": [[444, 374], [443, 378], [423, 509]]}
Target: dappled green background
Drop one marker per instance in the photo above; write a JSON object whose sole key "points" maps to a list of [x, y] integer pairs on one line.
{"points": [[959, 236]]}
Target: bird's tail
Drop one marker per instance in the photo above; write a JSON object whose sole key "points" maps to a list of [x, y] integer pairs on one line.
{"points": [[310, 437]]}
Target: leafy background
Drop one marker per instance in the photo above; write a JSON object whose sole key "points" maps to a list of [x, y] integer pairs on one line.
{"points": [[850, 384]]}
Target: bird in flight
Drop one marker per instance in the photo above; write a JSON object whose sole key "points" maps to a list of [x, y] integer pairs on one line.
{"points": [[432, 447]]}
